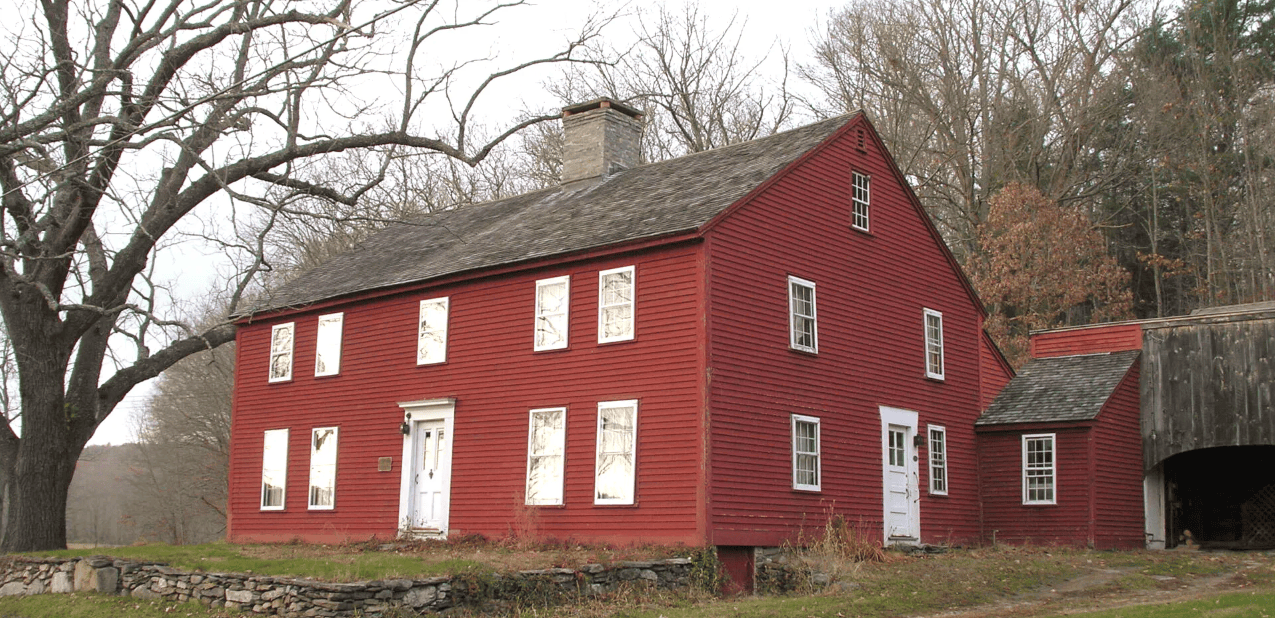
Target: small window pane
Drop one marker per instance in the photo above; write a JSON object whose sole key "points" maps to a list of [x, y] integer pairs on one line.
{"points": [[860, 201], [281, 352], [274, 469], [323, 467], [938, 460], [805, 453], [551, 314], [327, 356], [933, 344], [545, 456], [615, 305], [801, 306], [617, 440], [432, 339], [1038, 469]]}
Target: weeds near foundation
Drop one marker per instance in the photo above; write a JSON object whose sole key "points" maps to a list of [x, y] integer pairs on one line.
{"points": [[707, 571]]}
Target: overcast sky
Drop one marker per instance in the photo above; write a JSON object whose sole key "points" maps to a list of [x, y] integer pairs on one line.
{"points": [[522, 32]]}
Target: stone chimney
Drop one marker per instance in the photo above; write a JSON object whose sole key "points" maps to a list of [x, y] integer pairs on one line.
{"points": [[603, 136]]}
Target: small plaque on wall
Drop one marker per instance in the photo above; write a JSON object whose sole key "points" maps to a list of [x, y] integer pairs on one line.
{"points": [[384, 464]]}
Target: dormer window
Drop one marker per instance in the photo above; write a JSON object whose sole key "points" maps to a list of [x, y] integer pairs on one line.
{"points": [[281, 337], [860, 198], [552, 303], [615, 305]]}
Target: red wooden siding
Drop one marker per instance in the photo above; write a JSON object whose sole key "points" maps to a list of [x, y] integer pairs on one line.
{"points": [[495, 378], [1006, 518], [870, 290], [1088, 340], [996, 371], [1119, 509]]}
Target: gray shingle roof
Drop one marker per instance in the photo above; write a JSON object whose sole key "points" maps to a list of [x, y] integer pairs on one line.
{"points": [[1066, 388], [648, 201]]}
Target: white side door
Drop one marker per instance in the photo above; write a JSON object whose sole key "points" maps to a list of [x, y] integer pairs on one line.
{"points": [[900, 478], [429, 475]]}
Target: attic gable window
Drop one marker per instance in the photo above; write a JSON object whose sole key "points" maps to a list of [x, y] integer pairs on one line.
{"points": [[802, 326], [615, 472], [615, 304], [281, 337], [805, 453], [431, 341], [274, 469], [1038, 469], [552, 303], [327, 352], [546, 449], [933, 344], [860, 197], [323, 467]]}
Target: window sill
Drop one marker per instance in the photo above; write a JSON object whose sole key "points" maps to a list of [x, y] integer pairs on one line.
{"points": [[809, 353], [862, 231], [551, 350], [617, 341]]}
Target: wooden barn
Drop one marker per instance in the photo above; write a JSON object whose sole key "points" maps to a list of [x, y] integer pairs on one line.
{"points": [[1151, 433], [723, 349]]}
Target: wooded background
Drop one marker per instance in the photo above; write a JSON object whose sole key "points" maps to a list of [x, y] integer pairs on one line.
{"points": [[1085, 160]]}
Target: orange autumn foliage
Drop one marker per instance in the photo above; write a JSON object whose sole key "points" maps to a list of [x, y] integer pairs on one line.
{"points": [[1042, 265]]}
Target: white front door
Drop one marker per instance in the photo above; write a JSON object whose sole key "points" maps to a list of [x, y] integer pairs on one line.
{"points": [[425, 495], [900, 479], [430, 466]]}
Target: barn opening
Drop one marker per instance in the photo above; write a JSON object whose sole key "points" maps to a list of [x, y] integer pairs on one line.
{"points": [[1222, 497]]}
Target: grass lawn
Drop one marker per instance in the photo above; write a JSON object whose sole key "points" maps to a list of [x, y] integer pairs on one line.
{"points": [[1233, 605]]}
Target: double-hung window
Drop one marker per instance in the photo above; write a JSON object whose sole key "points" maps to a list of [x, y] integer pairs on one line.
{"points": [[938, 460], [327, 347], [431, 340], [615, 472], [615, 304], [1039, 470], [281, 337], [860, 198], [802, 326], [546, 447], [323, 467], [933, 344], [805, 453], [274, 469], [552, 302]]}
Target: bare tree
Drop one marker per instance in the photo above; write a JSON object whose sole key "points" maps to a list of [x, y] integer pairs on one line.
{"points": [[698, 84], [122, 121]]}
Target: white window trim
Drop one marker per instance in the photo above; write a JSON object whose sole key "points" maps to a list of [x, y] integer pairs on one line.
{"points": [[336, 444], [335, 367], [632, 453], [447, 309], [566, 313], [261, 499], [855, 201], [947, 480], [531, 426], [792, 316], [1053, 468], [291, 327], [632, 304], [818, 453], [930, 344]]}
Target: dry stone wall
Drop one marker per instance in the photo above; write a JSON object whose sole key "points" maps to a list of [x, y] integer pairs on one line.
{"points": [[285, 596]]}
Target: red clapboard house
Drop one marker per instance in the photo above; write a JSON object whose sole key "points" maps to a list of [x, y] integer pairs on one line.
{"points": [[723, 349]]}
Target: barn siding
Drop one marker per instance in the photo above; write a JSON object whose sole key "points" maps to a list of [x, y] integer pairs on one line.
{"points": [[495, 378], [870, 290], [1087, 340], [1006, 518], [1118, 473]]}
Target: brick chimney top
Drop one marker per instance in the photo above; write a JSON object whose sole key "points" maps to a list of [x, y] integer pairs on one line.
{"points": [[603, 136]]}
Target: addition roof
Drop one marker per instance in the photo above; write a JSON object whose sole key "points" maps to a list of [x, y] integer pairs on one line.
{"points": [[1060, 389], [645, 202]]}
